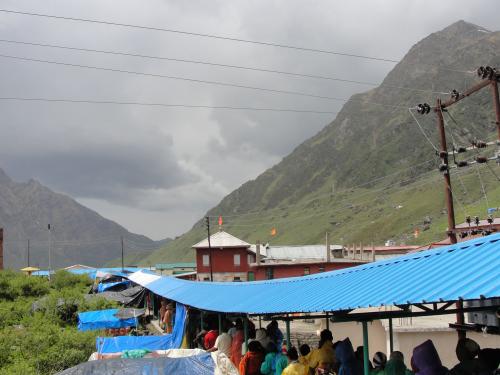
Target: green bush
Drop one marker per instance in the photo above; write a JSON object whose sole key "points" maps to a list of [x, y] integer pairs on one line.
{"points": [[44, 340], [64, 280], [30, 286]]}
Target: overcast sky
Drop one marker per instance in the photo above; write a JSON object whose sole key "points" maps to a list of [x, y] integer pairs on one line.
{"points": [[157, 170]]}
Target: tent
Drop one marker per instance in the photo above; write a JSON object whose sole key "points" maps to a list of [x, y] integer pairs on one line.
{"points": [[178, 361], [103, 319], [129, 297], [113, 286], [122, 343]]}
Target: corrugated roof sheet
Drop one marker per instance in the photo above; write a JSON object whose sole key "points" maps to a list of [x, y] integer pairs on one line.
{"points": [[169, 266], [467, 270], [222, 239]]}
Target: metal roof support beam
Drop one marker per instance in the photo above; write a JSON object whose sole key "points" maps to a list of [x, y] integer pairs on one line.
{"points": [[445, 306], [377, 315], [366, 368], [391, 336], [423, 307]]}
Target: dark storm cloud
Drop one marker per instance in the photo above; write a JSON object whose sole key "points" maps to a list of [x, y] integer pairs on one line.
{"points": [[131, 163]]}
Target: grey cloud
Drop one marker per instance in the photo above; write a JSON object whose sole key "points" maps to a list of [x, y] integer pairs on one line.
{"points": [[147, 165]]}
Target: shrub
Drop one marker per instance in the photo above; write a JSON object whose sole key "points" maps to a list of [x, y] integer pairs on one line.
{"points": [[64, 280]]}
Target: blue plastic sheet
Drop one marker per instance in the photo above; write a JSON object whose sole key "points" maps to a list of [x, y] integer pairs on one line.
{"points": [[102, 287], [120, 343], [201, 364], [103, 319], [171, 341]]}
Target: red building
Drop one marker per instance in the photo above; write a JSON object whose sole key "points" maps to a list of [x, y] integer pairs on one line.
{"points": [[232, 259], [228, 258]]}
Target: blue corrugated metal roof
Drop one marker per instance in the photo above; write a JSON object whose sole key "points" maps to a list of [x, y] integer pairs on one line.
{"points": [[468, 270]]}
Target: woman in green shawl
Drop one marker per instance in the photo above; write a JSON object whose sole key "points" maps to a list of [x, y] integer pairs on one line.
{"points": [[396, 365]]}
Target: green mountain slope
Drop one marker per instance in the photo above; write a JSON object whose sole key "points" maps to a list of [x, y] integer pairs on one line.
{"points": [[331, 182]]}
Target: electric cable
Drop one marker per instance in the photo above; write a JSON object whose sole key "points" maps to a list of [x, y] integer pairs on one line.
{"points": [[202, 62], [204, 35], [423, 131], [194, 80], [168, 105]]}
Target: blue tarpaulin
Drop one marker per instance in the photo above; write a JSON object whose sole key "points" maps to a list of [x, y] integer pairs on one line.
{"points": [[200, 364], [102, 287], [103, 319], [121, 343]]}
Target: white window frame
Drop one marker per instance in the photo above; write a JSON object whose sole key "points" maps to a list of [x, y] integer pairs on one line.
{"points": [[251, 258], [206, 260], [237, 260]]}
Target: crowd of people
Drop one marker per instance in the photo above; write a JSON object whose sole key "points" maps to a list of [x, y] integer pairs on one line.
{"points": [[267, 355], [267, 352]]}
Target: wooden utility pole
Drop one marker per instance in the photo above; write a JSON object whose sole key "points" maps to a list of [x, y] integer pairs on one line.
{"points": [[445, 168], [207, 222], [28, 253], [496, 104]]}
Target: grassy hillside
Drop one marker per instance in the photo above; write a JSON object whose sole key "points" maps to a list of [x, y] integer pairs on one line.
{"points": [[332, 182]]}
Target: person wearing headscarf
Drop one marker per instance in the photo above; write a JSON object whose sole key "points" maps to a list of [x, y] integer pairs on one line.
{"points": [[274, 333], [467, 351], [262, 337], [396, 365], [237, 343], [426, 361], [252, 360], [324, 356], [294, 366], [274, 362], [379, 362], [304, 351], [345, 356]]}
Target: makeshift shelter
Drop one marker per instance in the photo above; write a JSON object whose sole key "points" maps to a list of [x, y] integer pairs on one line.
{"points": [[465, 271], [171, 341], [103, 319], [432, 282], [113, 286], [129, 297], [180, 361]]}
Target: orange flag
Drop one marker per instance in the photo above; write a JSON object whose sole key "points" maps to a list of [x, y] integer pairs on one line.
{"points": [[273, 232], [220, 220]]}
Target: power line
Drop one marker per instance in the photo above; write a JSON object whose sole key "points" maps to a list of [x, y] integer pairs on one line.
{"points": [[204, 35], [202, 62], [217, 83], [423, 131], [168, 105]]}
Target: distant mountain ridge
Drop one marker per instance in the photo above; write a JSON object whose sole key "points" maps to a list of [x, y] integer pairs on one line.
{"points": [[316, 187], [79, 235]]}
